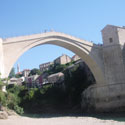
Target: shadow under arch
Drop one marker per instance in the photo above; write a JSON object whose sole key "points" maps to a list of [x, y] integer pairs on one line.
{"points": [[84, 50]]}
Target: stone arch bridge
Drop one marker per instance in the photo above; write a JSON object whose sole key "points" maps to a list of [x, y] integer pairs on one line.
{"points": [[105, 61]]}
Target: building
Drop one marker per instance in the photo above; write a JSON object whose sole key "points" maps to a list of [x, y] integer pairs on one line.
{"points": [[45, 66], [56, 78], [19, 73], [75, 58], [34, 81], [18, 68], [16, 81], [39, 81], [31, 80], [45, 78], [26, 72], [62, 59]]}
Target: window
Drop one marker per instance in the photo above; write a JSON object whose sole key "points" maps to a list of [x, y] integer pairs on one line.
{"points": [[110, 40]]}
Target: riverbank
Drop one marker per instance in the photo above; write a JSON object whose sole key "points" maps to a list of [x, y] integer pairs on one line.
{"points": [[60, 120]]}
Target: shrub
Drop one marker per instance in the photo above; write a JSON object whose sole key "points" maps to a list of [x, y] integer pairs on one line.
{"points": [[18, 109], [3, 98], [11, 100]]}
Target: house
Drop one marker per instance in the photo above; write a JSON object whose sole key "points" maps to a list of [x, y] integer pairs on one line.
{"points": [[39, 81], [56, 78], [31, 81], [36, 80], [75, 58], [45, 66], [62, 59], [26, 72], [45, 78], [16, 81]]}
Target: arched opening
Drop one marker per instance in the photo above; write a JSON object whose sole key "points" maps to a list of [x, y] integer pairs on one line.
{"points": [[70, 72]]}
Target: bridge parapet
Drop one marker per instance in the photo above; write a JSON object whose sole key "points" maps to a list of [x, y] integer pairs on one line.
{"points": [[45, 35]]}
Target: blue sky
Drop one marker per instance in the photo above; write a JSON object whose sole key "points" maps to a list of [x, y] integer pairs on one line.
{"points": [[80, 18]]}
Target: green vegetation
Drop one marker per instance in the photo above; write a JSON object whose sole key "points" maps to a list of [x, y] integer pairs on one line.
{"points": [[10, 99], [35, 71], [13, 100], [18, 75], [57, 68], [1, 84], [76, 81], [12, 73], [2, 98], [42, 100], [49, 98]]}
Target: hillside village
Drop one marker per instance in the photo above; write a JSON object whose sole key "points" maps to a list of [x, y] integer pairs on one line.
{"points": [[46, 75]]}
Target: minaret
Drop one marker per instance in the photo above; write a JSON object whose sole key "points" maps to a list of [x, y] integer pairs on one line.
{"points": [[18, 68]]}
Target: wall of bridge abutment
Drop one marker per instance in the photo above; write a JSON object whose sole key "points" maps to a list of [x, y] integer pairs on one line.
{"points": [[1, 59], [111, 95]]}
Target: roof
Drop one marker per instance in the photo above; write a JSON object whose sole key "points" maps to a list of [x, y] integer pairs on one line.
{"points": [[108, 25], [56, 74], [14, 78], [61, 56]]}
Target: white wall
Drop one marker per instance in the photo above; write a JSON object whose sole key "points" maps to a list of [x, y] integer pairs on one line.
{"points": [[121, 34], [1, 59]]}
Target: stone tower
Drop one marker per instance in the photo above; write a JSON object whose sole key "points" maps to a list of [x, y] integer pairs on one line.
{"points": [[111, 95], [18, 68], [113, 54]]}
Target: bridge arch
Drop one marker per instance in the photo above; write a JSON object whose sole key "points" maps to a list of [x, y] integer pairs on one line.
{"points": [[89, 52]]}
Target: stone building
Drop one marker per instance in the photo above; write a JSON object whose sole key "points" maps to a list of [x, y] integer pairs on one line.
{"points": [[62, 59], [16, 81], [75, 58], [26, 72], [39, 81], [31, 80], [45, 66], [56, 78]]}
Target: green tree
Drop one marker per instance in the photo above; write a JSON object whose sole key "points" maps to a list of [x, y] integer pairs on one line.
{"points": [[12, 73], [18, 75], [35, 71], [1, 83]]}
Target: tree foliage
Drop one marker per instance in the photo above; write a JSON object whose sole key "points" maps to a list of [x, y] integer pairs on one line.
{"points": [[53, 98], [35, 71], [12, 73], [49, 98]]}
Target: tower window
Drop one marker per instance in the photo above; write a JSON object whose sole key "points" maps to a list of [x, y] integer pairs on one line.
{"points": [[110, 40]]}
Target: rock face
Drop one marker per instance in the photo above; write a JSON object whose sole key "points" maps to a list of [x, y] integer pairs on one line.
{"points": [[3, 115], [5, 112], [8, 111]]}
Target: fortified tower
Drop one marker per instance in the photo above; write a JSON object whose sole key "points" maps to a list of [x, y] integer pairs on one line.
{"points": [[114, 54], [111, 95]]}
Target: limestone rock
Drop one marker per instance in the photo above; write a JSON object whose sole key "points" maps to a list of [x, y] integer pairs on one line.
{"points": [[8, 111], [3, 115]]}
